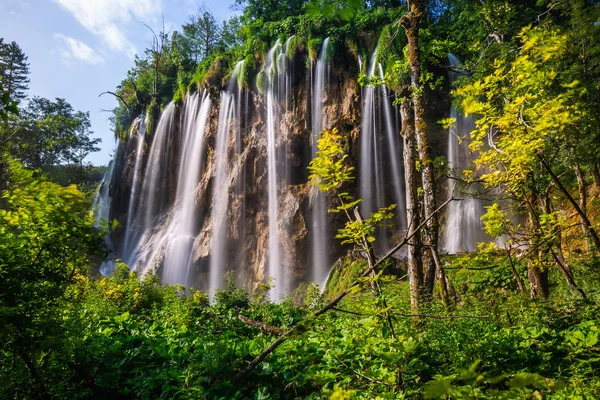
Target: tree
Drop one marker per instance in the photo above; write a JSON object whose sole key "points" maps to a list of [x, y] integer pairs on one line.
{"points": [[48, 133], [200, 34], [270, 10], [432, 266], [14, 70], [46, 237], [230, 33], [7, 106], [524, 108]]}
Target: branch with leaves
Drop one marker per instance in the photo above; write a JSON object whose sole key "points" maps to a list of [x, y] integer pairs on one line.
{"points": [[330, 172]]}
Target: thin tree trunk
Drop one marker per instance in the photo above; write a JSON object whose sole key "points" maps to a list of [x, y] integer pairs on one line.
{"points": [[581, 188], [331, 305], [410, 22], [537, 275], [596, 174], [415, 266], [374, 284], [582, 214], [34, 374], [560, 261], [518, 278]]}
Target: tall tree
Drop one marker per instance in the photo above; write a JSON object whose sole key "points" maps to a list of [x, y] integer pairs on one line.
{"points": [[48, 133], [526, 109], [201, 34], [410, 22], [14, 70]]}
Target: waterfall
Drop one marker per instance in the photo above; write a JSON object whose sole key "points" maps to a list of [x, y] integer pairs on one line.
{"points": [[392, 127], [101, 209], [371, 179], [168, 237], [229, 109], [101, 203], [464, 228], [320, 238], [139, 127], [381, 173], [157, 167], [275, 268], [182, 228]]}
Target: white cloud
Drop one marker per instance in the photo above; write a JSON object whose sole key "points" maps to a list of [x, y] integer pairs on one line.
{"points": [[108, 19], [75, 50]]}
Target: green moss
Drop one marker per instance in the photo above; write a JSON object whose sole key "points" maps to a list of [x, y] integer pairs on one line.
{"points": [[314, 46], [295, 44], [344, 272], [261, 81], [180, 93], [352, 48]]}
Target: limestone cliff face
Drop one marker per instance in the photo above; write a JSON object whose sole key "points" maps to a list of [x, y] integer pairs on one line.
{"points": [[247, 212]]}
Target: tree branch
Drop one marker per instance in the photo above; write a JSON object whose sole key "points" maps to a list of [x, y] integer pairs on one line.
{"points": [[261, 325], [118, 97], [329, 306]]}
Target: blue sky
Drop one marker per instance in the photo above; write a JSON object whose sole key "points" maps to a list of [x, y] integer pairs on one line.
{"points": [[78, 49]]}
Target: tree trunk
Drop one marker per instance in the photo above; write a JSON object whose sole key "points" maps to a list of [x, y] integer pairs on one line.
{"points": [[588, 225], [410, 22], [559, 258], [538, 279], [537, 275], [520, 283], [581, 188], [34, 374], [415, 267], [596, 174]]}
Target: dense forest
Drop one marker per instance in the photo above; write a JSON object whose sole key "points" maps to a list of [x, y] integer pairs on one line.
{"points": [[515, 317]]}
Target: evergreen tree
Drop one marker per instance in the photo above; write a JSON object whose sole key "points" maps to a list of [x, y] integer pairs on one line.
{"points": [[200, 34], [14, 70]]}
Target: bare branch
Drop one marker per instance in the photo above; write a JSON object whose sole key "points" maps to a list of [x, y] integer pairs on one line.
{"points": [[261, 325], [363, 375], [119, 97]]}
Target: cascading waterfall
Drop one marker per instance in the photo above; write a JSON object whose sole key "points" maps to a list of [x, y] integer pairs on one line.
{"points": [[182, 228], [371, 179], [392, 128], [229, 111], [378, 150], [101, 208], [464, 228], [168, 229], [101, 203], [276, 269], [320, 237], [156, 167], [139, 127]]}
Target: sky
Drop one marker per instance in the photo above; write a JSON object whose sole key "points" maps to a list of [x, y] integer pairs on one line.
{"points": [[78, 49]]}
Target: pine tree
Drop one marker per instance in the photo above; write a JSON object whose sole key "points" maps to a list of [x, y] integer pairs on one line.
{"points": [[14, 70]]}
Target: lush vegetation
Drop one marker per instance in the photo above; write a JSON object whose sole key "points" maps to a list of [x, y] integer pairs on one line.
{"points": [[517, 321]]}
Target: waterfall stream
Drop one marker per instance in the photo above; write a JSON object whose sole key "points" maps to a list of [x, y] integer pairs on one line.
{"points": [[101, 209], [139, 129], [464, 228], [229, 111], [321, 237], [275, 268]]}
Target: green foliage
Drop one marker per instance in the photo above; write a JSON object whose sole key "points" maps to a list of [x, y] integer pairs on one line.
{"points": [[7, 106], [48, 133], [46, 237], [524, 106], [330, 172]]}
